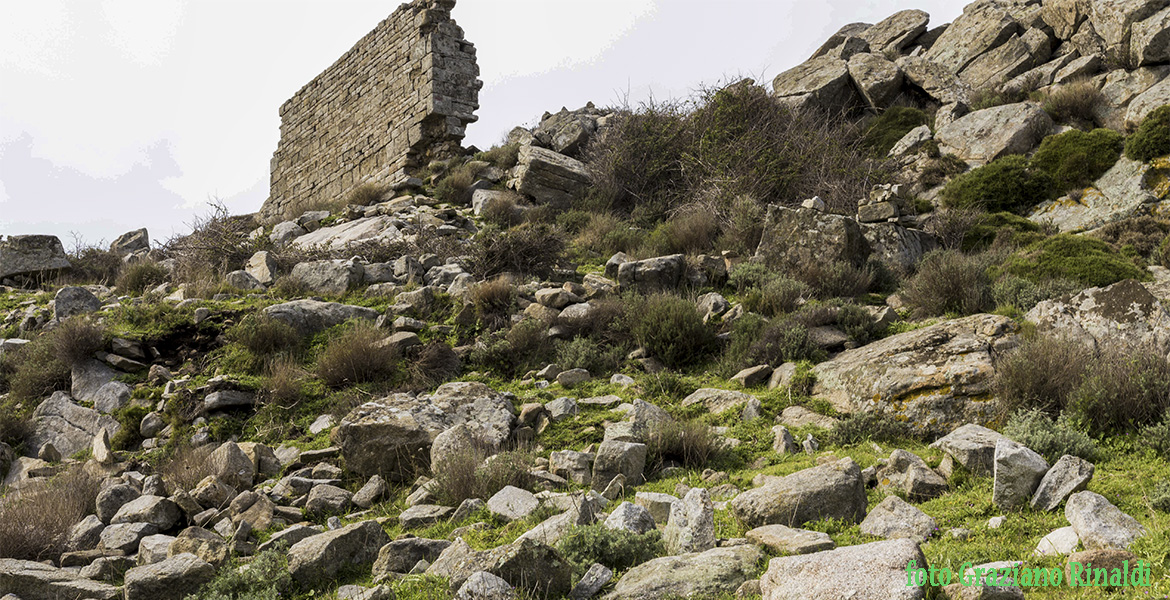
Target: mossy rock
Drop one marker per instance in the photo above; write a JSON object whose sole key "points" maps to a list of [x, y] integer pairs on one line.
{"points": [[1005, 184], [1075, 159], [1089, 261], [1152, 139], [892, 126]]}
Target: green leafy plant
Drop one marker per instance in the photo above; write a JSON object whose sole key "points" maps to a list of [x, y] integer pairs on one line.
{"points": [[1005, 184], [671, 328], [1078, 258], [1152, 138], [617, 549], [891, 126], [1037, 430]]}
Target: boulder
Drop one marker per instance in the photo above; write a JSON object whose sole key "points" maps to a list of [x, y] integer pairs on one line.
{"points": [[591, 582], [1020, 53], [936, 82], [985, 135], [982, 27], [131, 242], [845, 42], [512, 503], [1099, 523], [794, 238], [225, 399], [485, 586], [878, 79], [717, 401], [894, 518], [653, 274], [202, 543], [379, 229], [243, 281], [262, 267], [422, 515], [799, 416], [321, 557], [787, 540], [1149, 41], [112, 498], [833, 490], [1059, 542], [38, 581], [935, 378], [709, 574], [874, 571], [1125, 312], [88, 377], [329, 277], [74, 300], [124, 537], [232, 466], [1125, 190], [783, 442], [630, 517], [288, 537], [571, 465], [896, 32], [85, 535], [821, 84], [111, 397], [912, 141], [907, 473], [1082, 568], [1070, 474], [400, 556], [526, 563], [392, 436], [1018, 471], [691, 527], [312, 316], [171, 579], [658, 504], [327, 500], [898, 246], [1114, 23], [31, 255], [548, 177], [972, 446], [371, 493], [618, 458], [158, 511], [68, 426]]}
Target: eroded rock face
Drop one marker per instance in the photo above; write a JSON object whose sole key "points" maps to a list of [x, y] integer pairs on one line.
{"points": [[526, 564], [985, 135], [1125, 312], [320, 557], [896, 32], [835, 490], [70, 427], [821, 83], [697, 575], [937, 377], [31, 254], [38, 581], [309, 316], [171, 579], [877, 571], [549, 177], [392, 436], [793, 238], [380, 229], [982, 27], [1127, 189]]}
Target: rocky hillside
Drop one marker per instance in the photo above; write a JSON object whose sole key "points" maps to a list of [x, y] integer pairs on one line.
{"points": [[895, 328]]}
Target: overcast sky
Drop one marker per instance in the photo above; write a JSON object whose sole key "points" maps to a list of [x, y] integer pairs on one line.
{"points": [[118, 114]]}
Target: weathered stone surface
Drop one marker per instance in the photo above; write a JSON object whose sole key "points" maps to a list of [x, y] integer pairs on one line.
{"points": [[512, 503], [698, 575], [31, 254], [327, 500], [320, 557], [1018, 471], [549, 177], [1060, 542], [369, 230], [88, 377], [485, 586], [618, 458], [876, 571], [372, 492], [1070, 474], [1064, 16], [124, 537], [895, 32], [38, 581], [204, 544], [848, 35], [658, 504], [1099, 523], [74, 300], [69, 427], [912, 141], [717, 401], [526, 564], [909, 474], [400, 556], [573, 466], [243, 281], [982, 27], [833, 490], [422, 515], [591, 582], [818, 84], [894, 518], [311, 316], [112, 498], [1018, 54], [288, 537], [937, 377], [160, 512], [794, 238], [878, 79], [985, 135], [171, 579], [653, 274], [1124, 190], [329, 277], [1125, 312], [1114, 22], [787, 540], [691, 527], [85, 535], [936, 81], [262, 267], [232, 466], [972, 446], [393, 435], [799, 416], [1145, 103], [630, 517], [131, 242], [783, 442]]}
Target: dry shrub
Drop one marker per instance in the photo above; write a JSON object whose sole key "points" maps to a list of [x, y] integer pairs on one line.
{"points": [[436, 363], [77, 339], [835, 279], [605, 234], [784, 340], [284, 383], [187, 466], [692, 231], [1075, 102], [503, 211], [288, 288], [493, 301], [951, 225], [454, 187], [218, 243], [529, 249], [475, 472], [1042, 372], [140, 276], [1124, 388], [357, 356], [948, 281], [367, 194], [264, 336], [776, 297], [1143, 235], [690, 444], [93, 265], [35, 522], [38, 371]]}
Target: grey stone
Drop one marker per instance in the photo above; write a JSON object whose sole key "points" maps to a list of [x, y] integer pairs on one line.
{"points": [[320, 557], [1070, 474], [288, 536], [591, 582], [652, 274], [549, 177], [878, 79], [85, 535], [985, 135], [799, 238], [573, 377], [1060, 542], [171, 579], [38, 581], [833, 490], [717, 401], [372, 492], [67, 425], [562, 408], [972, 446], [512, 503], [204, 544], [312, 316], [328, 277], [878, 572], [630, 517], [243, 281], [31, 254], [691, 526], [72, 301], [124, 537], [156, 510], [787, 540], [232, 466], [262, 267], [327, 500], [818, 84], [225, 399], [1099, 523], [909, 474], [783, 442], [896, 32], [153, 548], [707, 574], [111, 499], [131, 242], [421, 515], [482, 585], [894, 518], [618, 458], [400, 556], [1018, 471]]}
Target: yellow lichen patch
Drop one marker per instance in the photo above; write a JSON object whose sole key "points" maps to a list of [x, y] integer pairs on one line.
{"points": [[1157, 178]]}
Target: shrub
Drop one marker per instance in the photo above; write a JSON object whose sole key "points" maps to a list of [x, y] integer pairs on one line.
{"points": [[856, 322], [367, 194], [284, 383], [690, 444], [187, 466], [869, 426], [1042, 373], [493, 301], [77, 339], [1004, 184], [937, 171], [672, 329], [988, 227], [38, 371], [529, 249], [618, 549], [692, 232], [476, 472], [1160, 496], [503, 211], [1122, 390], [574, 220], [265, 577], [892, 126], [503, 157], [218, 243], [835, 279], [748, 275], [455, 186], [1075, 102], [1157, 436], [585, 353], [606, 234], [140, 276], [784, 340], [35, 523], [1037, 430], [948, 281], [436, 363], [264, 336], [523, 347], [357, 356], [778, 296], [743, 227], [1152, 138], [1010, 290], [952, 225], [1143, 236], [1082, 259], [94, 265], [1075, 159]]}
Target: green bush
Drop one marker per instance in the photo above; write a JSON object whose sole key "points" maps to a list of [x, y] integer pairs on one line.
{"points": [[988, 227], [1123, 389], [1078, 258], [869, 426], [836, 279], [366, 194], [140, 276], [504, 157], [264, 336], [748, 275], [513, 352], [1157, 436], [1075, 159], [493, 301], [947, 282], [776, 297], [586, 353], [265, 577], [77, 339], [1037, 430], [1023, 294], [1160, 496], [617, 549], [1152, 139], [1004, 184], [1144, 236], [857, 323], [1041, 373], [784, 340], [693, 232], [38, 371], [672, 329], [892, 126]]}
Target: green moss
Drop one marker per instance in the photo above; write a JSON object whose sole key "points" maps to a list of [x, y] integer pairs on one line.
{"points": [[1152, 139], [1004, 184], [1075, 159], [1086, 260], [892, 126]]}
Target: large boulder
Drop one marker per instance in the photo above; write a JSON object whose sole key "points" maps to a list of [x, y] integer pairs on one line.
{"points": [[874, 571], [231, 465], [1149, 41], [691, 527], [833, 490], [972, 446], [1127, 189], [899, 247], [982, 27], [68, 426], [614, 458], [392, 436], [88, 377], [131, 242], [1017, 474], [652, 274], [787, 540], [895, 518], [31, 254], [1020, 53], [1070, 474], [525, 563], [1114, 23], [908, 474], [549, 177], [819, 84], [714, 573], [1124, 312], [157, 511], [311, 316], [38, 581], [1099, 523], [376, 229], [936, 377], [794, 238], [718, 401], [878, 79], [895, 32], [171, 579], [934, 80], [319, 558], [985, 135], [74, 300], [329, 277], [400, 556]]}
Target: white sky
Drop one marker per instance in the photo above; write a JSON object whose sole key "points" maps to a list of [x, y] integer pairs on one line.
{"points": [[118, 114]]}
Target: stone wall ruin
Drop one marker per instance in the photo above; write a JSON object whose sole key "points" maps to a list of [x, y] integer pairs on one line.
{"points": [[401, 96]]}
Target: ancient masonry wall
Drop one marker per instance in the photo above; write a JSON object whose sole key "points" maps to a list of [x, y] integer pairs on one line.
{"points": [[400, 97]]}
